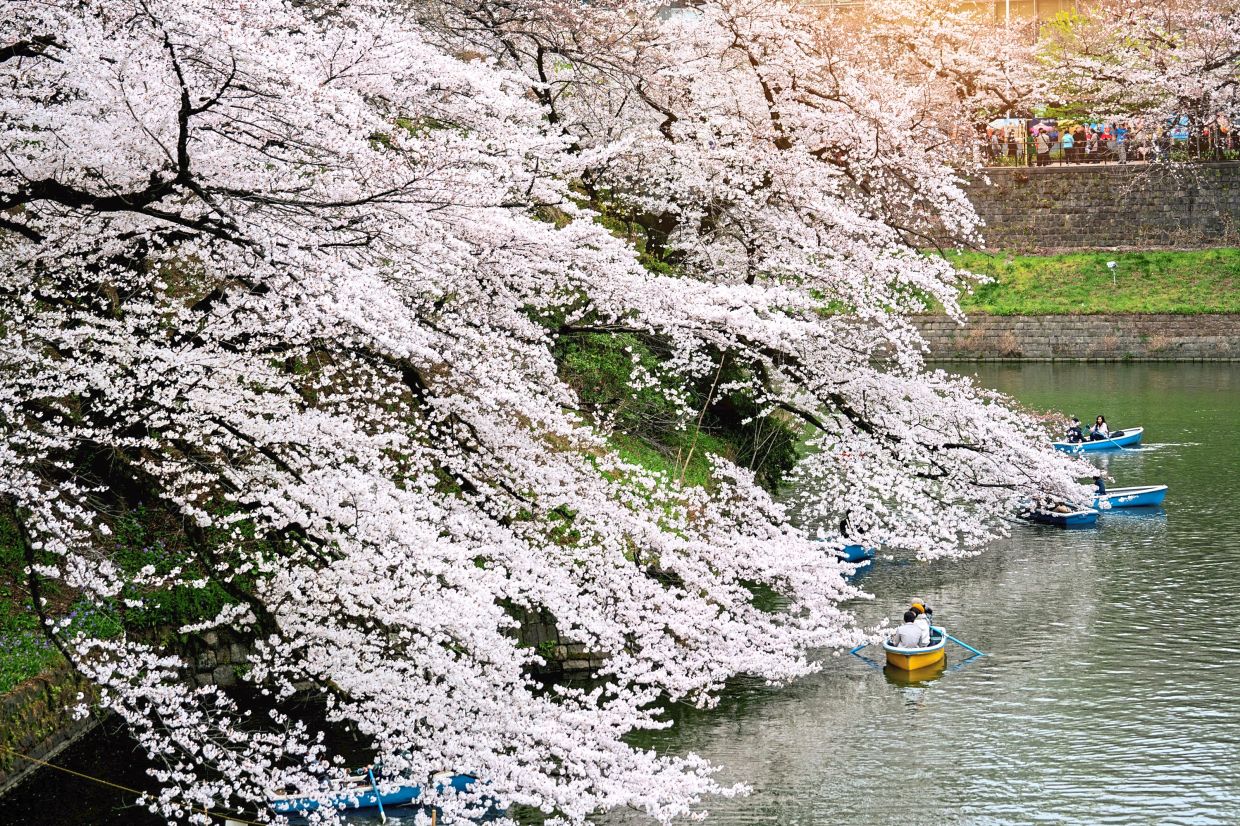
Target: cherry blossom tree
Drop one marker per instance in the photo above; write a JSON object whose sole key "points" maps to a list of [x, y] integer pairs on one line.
{"points": [[972, 67], [291, 277], [1161, 61]]}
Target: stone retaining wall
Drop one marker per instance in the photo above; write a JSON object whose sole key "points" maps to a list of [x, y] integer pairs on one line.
{"points": [[35, 720], [1111, 205], [215, 658], [1085, 338], [563, 656]]}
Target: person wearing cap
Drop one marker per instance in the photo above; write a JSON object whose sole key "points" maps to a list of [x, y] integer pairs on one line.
{"points": [[910, 634], [1074, 432], [922, 618]]}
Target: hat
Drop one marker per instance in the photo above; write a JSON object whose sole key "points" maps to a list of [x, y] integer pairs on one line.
{"points": [[918, 605]]}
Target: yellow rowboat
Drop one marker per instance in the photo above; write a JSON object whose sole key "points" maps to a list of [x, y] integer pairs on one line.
{"points": [[915, 659], [922, 676]]}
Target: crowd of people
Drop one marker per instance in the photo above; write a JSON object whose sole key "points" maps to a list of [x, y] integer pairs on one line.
{"points": [[1042, 141]]}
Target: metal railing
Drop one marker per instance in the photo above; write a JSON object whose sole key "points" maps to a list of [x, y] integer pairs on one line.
{"points": [[1138, 150]]}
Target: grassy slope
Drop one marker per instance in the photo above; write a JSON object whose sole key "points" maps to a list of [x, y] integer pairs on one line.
{"points": [[24, 651], [1184, 282]]}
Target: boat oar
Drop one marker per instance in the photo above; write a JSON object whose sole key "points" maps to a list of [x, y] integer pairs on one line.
{"points": [[378, 798], [963, 645], [858, 648], [1111, 439]]}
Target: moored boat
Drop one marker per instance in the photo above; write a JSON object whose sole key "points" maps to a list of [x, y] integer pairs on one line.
{"points": [[1118, 439], [362, 791], [856, 553], [1064, 519], [1143, 496], [916, 659]]}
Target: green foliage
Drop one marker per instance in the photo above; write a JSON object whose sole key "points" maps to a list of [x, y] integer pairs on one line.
{"points": [[25, 651], [653, 431], [139, 542], [673, 457], [600, 367], [1081, 283]]}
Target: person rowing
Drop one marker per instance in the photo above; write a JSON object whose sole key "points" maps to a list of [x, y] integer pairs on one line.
{"points": [[910, 634], [1074, 432]]}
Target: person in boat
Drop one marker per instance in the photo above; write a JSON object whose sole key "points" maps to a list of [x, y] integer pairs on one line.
{"points": [[1074, 432], [910, 634], [924, 614], [1099, 432], [1100, 487]]}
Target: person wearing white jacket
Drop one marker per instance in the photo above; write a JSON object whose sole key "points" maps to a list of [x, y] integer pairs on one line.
{"points": [[924, 614], [910, 634]]}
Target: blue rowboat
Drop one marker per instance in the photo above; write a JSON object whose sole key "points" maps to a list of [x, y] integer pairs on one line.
{"points": [[359, 792], [1071, 519], [855, 553], [1147, 496], [1119, 439]]}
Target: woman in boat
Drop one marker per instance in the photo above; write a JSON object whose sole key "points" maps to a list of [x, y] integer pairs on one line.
{"points": [[924, 614], [1099, 432]]}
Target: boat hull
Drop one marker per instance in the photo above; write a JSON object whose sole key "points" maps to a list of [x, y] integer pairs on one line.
{"points": [[1075, 519], [899, 676], [1148, 496], [363, 797], [856, 553], [917, 659], [1132, 436]]}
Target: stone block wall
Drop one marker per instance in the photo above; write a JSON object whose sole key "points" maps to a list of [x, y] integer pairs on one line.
{"points": [[35, 720], [214, 658], [563, 655], [1084, 338], [1109, 205]]}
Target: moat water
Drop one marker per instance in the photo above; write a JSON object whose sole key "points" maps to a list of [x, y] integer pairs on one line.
{"points": [[1109, 693]]}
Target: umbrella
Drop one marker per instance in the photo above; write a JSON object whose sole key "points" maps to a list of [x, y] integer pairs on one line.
{"points": [[1004, 123]]}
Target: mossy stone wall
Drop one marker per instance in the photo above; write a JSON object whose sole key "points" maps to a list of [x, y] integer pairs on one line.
{"points": [[1153, 337], [1141, 206], [36, 720]]}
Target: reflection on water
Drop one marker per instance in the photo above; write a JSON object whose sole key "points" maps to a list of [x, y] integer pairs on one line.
{"points": [[919, 677], [1108, 693]]}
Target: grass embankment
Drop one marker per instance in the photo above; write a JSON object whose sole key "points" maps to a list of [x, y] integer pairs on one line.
{"points": [[25, 651], [651, 429], [1080, 283]]}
